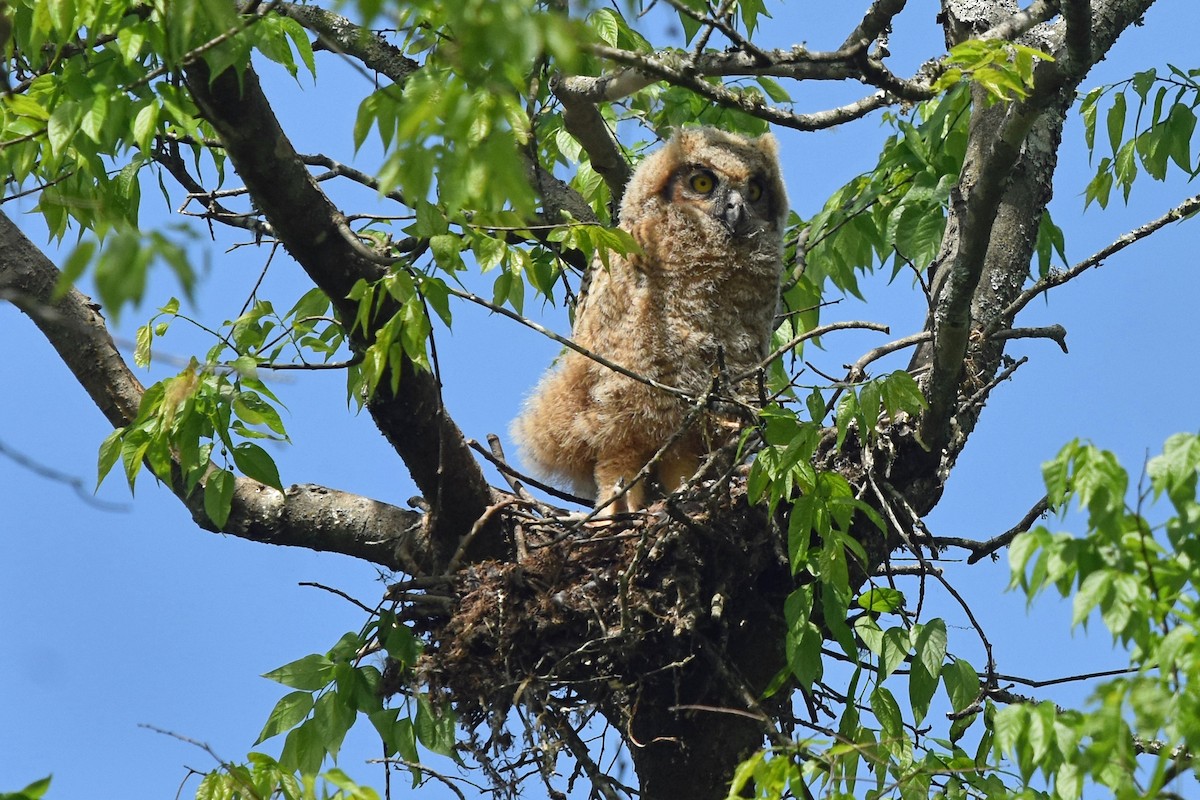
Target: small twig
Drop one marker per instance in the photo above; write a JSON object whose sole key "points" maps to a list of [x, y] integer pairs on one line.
{"points": [[583, 351], [1056, 333], [1108, 673], [745, 693], [251, 791], [737, 712], [570, 737], [815, 332], [479, 525], [902, 531], [857, 371], [505, 469], [981, 549], [1184, 209], [981, 395], [340, 594], [77, 484], [497, 451], [415, 766]]}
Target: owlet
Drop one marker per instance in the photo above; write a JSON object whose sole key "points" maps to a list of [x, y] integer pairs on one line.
{"points": [[708, 212]]}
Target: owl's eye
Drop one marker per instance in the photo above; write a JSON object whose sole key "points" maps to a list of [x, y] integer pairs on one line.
{"points": [[702, 182], [754, 192]]}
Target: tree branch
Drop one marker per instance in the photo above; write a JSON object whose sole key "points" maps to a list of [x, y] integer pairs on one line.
{"points": [[1025, 19], [688, 75], [1179, 212], [315, 233], [1077, 16], [583, 121], [980, 550], [994, 146], [307, 516], [876, 21], [340, 35]]}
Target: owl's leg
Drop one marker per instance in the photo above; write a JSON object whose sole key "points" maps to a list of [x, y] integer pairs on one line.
{"points": [[613, 475], [677, 466]]}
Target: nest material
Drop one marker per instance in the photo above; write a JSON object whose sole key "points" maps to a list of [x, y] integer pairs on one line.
{"points": [[596, 609]]}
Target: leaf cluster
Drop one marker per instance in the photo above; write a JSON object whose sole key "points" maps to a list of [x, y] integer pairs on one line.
{"points": [[1139, 578], [1157, 133], [1003, 70], [330, 691], [219, 407]]}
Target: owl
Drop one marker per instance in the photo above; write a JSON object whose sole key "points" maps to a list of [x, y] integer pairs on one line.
{"points": [[708, 211]]}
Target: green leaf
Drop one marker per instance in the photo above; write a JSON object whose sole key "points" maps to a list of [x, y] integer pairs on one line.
{"points": [[447, 251], [332, 718], [434, 729], [1180, 125], [253, 410], [218, 496], [110, 451], [1116, 122], [34, 791], [919, 233], [254, 462], [289, 712], [606, 25], [311, 673], [145, 125], [929, 652], [303, 750], [894, 651], [883, 600], [1087, 110], [773, 89], [961, 683], [402, 645], [141, 349], [887, 711], [929, 643], [94, 118], [398, 735]]}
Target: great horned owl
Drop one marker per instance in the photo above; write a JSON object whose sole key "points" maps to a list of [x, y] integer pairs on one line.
{"points": [[708, 211]]}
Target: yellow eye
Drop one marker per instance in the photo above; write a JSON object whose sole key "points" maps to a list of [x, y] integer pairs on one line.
{"points": [[755, 191], [702, 182]]}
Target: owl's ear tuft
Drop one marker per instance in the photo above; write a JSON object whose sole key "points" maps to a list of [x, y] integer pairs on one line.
{"points": [[769, 144]]}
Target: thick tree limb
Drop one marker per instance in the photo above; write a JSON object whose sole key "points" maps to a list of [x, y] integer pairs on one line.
{"points": [[307, 516], [687, 75], [583, 120], [875, 22], [1077, 14], [1022, 21], [994, 146], [1004, 187], [335, 32], [315, 233]]}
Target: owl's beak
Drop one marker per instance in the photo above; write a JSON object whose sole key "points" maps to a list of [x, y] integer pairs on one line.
{"points": [[734, 214]]}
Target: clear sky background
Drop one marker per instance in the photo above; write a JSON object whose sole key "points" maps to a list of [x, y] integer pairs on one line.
{"points": [[113, 619]]}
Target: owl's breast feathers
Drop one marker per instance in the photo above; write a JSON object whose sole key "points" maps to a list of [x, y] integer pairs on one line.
{"points": [[707, 211]]}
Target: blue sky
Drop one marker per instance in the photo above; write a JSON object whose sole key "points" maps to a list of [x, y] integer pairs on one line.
{"points": [[111, 620]]}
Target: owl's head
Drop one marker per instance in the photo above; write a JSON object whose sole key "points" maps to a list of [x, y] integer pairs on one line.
{"points": [[731, 180]]}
